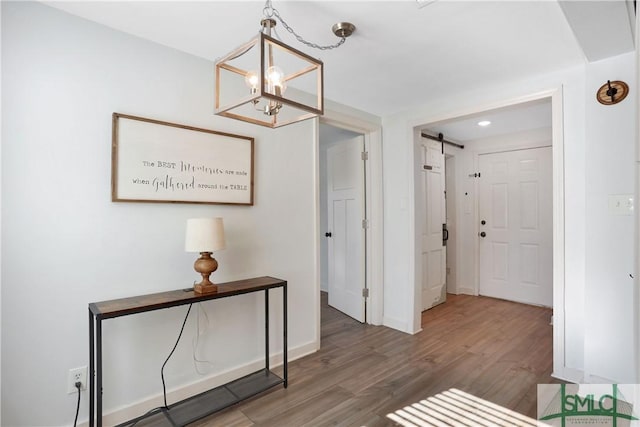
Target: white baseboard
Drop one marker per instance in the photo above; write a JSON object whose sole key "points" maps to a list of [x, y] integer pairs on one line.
{"points": [[128, 412], [393, 323], [577, 376], [571, 375], [466, 291], [595, 379]]}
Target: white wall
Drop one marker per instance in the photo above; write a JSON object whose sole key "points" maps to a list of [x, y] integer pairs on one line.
{"points": [[398, 246], [609, 150], [66, 244]]}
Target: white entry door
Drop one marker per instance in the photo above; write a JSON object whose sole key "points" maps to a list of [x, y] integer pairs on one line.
{"points": [[434, 254], [515, 207], [346, 235]]}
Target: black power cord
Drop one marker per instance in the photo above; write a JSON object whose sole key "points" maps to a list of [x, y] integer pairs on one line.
{"points": [[78, 385], [164, 388]]}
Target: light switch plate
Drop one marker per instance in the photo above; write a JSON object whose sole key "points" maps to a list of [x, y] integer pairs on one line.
{"points": [[621, 204]]}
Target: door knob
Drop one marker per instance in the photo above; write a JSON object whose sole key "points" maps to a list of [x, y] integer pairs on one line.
{"points": [[483, 234], [483, 222], [328, 234]]}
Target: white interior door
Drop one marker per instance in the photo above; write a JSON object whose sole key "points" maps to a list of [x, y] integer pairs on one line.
{"points": [[345, 201], [515, 207], [434, 254]]}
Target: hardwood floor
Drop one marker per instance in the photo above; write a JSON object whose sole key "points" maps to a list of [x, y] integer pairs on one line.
{"points": [[496, 350]]}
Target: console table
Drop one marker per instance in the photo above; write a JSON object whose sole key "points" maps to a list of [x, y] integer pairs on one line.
{"points": [[203, 404]]}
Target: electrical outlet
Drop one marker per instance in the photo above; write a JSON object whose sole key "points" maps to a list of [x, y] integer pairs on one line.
{"points": [[75, 375]]}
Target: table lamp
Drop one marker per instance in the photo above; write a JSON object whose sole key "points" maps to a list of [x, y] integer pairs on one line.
{"points": [[204, 235]]}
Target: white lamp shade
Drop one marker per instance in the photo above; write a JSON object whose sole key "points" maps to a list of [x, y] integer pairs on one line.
{"points": [[204, 235]]}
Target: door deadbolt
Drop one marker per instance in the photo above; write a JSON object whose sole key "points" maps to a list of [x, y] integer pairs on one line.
{"points": [[483, 234], [483, 222]]}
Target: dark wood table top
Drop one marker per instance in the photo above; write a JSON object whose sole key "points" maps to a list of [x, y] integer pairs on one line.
{"points": [[150, 302]]}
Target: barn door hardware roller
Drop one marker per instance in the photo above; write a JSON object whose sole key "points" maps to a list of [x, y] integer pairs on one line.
{"points": [[440, 138]]}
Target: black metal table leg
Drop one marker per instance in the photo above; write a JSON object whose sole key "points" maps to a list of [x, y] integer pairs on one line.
{"points": [[266, 327], [99, 372], [284, 339], [91, 368]]}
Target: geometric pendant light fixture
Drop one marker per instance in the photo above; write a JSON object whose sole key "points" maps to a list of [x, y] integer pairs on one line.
{"points": [[268, 83]]}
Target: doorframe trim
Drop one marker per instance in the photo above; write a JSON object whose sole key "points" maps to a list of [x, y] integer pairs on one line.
{"points": [[560, 370], [636, 280], [374, 206]]}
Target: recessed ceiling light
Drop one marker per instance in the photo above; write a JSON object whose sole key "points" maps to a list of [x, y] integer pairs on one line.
{"points": [[484, 123]]}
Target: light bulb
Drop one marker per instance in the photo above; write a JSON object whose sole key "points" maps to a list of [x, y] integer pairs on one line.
{"points": [[275, 80], [275, 75], [251, 80]]}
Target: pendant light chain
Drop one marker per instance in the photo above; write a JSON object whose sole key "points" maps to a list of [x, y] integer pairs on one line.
{"points": [[269, 11]]}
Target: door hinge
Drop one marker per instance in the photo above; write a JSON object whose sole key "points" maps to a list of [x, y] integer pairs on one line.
{"points": [[365, 223], [474, 175], [365, 292], [365, 155]]}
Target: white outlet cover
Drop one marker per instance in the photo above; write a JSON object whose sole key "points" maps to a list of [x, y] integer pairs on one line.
{"points": [[76, 373]]}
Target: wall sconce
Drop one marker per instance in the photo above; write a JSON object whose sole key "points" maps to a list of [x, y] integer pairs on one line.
{"points": [[205, 235]]}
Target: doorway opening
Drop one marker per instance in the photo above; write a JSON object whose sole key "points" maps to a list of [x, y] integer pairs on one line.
{"points": [[516, 126], [342, 213], [332, 127]]}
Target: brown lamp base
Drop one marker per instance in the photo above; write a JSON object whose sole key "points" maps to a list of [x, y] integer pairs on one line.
{"points": [[205, 265], [205, 289]]}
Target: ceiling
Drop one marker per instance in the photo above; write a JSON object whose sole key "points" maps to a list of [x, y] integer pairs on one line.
{"points": [[504, 121], [400, 55]]}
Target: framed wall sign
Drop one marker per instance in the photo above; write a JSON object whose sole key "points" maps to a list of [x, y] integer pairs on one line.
{"points": [[155, 161]]}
